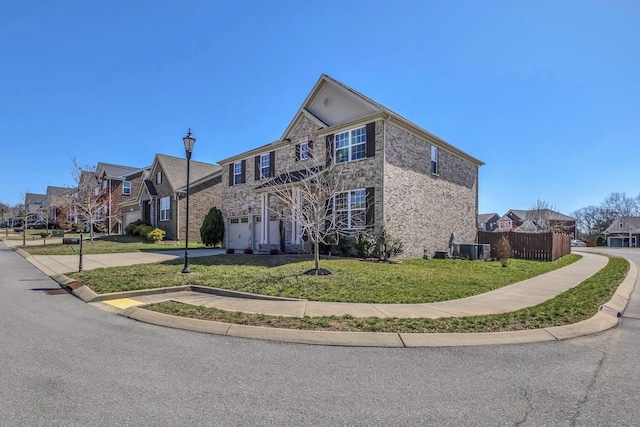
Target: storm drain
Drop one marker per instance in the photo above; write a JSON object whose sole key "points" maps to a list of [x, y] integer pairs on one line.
{"points": [[56, 292]]}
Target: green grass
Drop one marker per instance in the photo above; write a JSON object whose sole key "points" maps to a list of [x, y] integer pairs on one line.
{"points": [[571, 306], [413, 281], [105, 245]]}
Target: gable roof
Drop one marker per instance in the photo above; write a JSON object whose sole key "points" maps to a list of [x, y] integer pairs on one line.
{"points": [[633, 222], [114, 171], [534, 214], [33, 198], [484, 218], [368, 110], [175, 170]]}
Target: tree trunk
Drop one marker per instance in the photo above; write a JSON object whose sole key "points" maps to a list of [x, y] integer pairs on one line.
{"points": [[316, 256]]}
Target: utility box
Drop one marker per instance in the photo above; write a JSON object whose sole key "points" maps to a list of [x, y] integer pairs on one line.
{"points": [[472, 251], [57, 233]]}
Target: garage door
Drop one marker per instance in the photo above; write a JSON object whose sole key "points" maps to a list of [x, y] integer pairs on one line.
{"points": [[238, 232]]}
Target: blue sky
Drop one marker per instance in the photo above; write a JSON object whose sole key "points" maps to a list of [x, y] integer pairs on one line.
{"points": [[546, 93]]}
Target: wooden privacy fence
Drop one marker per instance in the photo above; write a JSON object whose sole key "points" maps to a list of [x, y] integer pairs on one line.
{"points": [[536, 246]]}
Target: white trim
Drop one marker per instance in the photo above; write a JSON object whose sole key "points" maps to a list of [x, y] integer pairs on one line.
{"points": [[355, 144]]}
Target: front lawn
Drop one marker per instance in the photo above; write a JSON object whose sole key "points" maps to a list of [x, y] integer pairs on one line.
{"points": [[107, 245], [412, 281], [573, 305]]}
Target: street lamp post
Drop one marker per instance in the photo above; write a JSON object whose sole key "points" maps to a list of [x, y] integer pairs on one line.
{"points": [[189, 142]]}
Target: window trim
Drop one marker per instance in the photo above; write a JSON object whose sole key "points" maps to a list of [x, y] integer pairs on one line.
{"points": [[266, 157], [165, 214], [305, 152], [356, 137], [435, 160], [350, 209], [159, 177], [126, 188], [237, 173]]}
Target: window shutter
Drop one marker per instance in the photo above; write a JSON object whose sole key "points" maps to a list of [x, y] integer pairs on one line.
{"points": [[272, 164], [330, 147], [370, 219], [371, 139], [297, 152], [310, 149], [243, 168], [231, 175], [257, 167], [328, 223]]}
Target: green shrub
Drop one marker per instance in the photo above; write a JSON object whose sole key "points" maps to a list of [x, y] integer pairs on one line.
{"points": [[212, 229], [143, 230], [155, 235], [133, 229], [387, 246], [44, 234], [365, 244]]}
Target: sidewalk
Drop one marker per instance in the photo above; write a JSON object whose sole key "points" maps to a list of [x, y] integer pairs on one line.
{"points": [[510, 298]]}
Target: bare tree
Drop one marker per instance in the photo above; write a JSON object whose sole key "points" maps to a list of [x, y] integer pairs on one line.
{"points": [[541, 214], [621, 205], [86, 202], [307, 194]]}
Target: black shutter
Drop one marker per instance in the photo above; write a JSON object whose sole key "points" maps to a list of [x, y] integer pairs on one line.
{"points": [[231, 177], [371, 139], [243, 167], [256, 169], [272, 164], [329, 149], [370, 219], [297, 152], [310, 149]]}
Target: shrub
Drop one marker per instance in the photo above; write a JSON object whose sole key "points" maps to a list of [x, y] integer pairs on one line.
{"points": [[230, 251], [365, 244], [155, 235], [387, 246], [274, 251], [212, 229], [248, 251], [133, 229], [44, 234], [143, 230], [503, 249]]}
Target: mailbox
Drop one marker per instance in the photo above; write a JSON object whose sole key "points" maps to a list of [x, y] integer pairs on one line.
{"points": [[70, 241]]}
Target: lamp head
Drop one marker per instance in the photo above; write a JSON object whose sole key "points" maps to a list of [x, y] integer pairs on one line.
{"points": [[189, 142]]}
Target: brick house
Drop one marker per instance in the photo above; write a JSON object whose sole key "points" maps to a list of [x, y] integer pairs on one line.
{"points": [[117, 189], [534, 220], [53, 206], [394, 173], [129, 207], [162, 195]]}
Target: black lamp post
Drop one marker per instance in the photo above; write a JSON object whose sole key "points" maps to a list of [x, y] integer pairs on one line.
{"points": [[189, 142]]}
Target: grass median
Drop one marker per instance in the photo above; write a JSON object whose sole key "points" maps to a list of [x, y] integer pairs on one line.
{"points": [[353, 280], [574, 305]]}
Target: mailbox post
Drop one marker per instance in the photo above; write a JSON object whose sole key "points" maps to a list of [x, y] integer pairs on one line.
{"points": [[75, 241]]}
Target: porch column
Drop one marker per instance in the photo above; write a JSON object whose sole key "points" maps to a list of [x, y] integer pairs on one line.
{"points": [[265, 218], [295, 215]]}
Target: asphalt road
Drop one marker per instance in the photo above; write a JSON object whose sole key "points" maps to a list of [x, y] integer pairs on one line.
{"points": [[66, 363]]}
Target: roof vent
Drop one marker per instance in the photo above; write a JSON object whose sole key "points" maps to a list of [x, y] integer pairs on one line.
{"points": [[327, 100]]}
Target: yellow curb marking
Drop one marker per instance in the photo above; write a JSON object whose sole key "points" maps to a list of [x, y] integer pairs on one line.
{"points": [[123, 303]]}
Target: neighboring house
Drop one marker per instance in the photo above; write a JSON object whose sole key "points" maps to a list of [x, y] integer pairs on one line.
{"points": [[116, 189], [33, 205], [162, 195], [488, 222], [130, 208], [536, 220], [623, 232], [395, 173], [53, 206]]}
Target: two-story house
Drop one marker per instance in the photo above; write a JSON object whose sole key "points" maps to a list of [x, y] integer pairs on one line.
{"points": [[393, 173], [162, 195], [488, 222], [535, 220], [117, 189]]}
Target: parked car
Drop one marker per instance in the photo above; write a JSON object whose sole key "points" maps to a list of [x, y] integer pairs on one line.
{"points": [[37, 224], [578, 243]]}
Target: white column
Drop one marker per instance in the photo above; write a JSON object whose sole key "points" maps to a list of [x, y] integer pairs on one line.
{"points": [[265, 218], [295, 214]]}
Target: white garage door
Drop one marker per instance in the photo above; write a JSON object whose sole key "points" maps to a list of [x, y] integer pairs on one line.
{"points": [[238, 232]]}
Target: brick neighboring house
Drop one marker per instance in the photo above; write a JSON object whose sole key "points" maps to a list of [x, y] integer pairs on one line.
{"points": [[33, 205], [488, 222], [162, 195], [53, 206], [117, 189], [623, 232], [394, 172], [130, 209], [536, 220]]}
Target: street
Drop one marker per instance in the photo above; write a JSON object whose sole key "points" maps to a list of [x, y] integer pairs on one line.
{"points": [[67, 363]]}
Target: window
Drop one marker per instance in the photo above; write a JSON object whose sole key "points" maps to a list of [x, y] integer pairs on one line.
{"points": [[105, 183], [237, 173], [126, 188], [351, 145], [96, 191], [165, 206], [304, 151], [434, 160], [265, 166], [350, 209], [159, 177]]}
